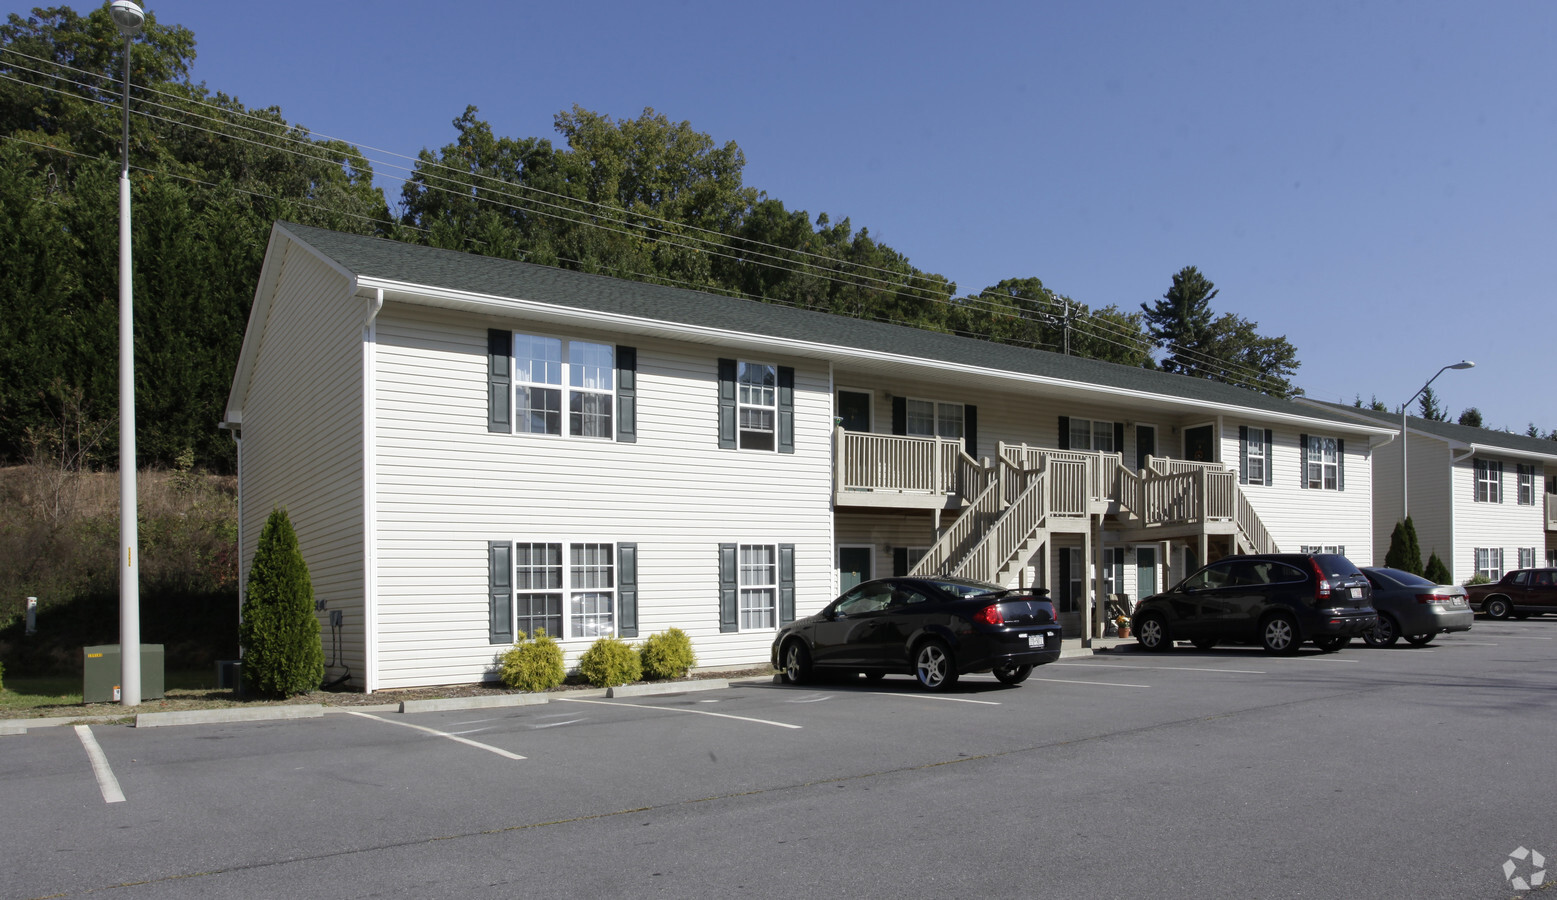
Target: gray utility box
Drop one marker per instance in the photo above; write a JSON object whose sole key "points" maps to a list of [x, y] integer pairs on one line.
{"points": [[101, 671], [229, 675]]}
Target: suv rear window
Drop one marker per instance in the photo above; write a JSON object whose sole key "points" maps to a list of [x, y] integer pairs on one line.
{"points": [[1335, 565]]}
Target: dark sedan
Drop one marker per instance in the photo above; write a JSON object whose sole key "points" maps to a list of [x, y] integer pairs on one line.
{"points": [[935, 629], [1278, 600], [1415, 608]]}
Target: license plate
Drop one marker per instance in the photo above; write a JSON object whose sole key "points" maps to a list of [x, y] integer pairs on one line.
{"points": [[1035, 640], [1356, 593]]}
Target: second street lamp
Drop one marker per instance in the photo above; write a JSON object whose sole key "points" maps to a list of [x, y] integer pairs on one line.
{"points": [[1405, 440]]}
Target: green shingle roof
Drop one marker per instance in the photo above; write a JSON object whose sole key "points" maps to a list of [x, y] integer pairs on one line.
{"points": [[451, 270], [1463, 434]]}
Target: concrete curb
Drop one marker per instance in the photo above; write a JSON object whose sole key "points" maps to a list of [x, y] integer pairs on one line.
{"points": [[422, 706], [671, 687], [220, 716]]}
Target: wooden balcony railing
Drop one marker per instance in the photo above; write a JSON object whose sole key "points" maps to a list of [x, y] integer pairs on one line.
{"points": [[894, 463]]}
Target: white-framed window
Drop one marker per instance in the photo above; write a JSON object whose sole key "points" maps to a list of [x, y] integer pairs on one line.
{"points": [[1113, 570], [758, 586], [1489, 481], [757, 405], [1337, 549], [1074, 588], [1526, 557], [1526, 484], [567, 588], [1323, 461], [547, 367], [929, 418], [1489, 562], [1092, 434], [1258, 455], [1551, 557]]}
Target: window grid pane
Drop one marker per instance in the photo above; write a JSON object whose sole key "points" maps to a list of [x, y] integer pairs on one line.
{"points": [[758, 406], [540, 410], [921, 418], [948, 420]]}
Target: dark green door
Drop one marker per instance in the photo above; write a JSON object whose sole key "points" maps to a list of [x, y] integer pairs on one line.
{"points": [[1200, 444], [854, 410], [853, 567]]}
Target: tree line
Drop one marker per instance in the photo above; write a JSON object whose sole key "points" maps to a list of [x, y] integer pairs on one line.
{"points": [[642, 198]]}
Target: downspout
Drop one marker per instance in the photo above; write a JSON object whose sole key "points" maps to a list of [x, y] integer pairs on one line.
{"points": [[370, 497]]}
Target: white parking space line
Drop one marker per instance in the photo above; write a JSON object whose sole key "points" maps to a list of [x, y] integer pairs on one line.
{"points": [[106, 782], [931, 697], [696, 712], [1459, 643], [1099, 683], [1525, 637], [1155, 668], [443, 734]]}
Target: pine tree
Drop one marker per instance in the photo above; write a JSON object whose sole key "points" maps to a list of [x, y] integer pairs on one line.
{"points": [[1436, 571], [1405, 553], [279, 634]]}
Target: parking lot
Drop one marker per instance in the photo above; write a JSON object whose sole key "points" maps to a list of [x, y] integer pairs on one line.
{"points": [[1369, 772]]}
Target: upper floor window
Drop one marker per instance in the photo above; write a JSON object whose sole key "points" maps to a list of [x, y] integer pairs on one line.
{"points": [[1322, 461], [756, 406], [1091, 434], [545, 369], [1254, 455], [757, 403], [927, 418], [1526, 485], [1489, 481]]}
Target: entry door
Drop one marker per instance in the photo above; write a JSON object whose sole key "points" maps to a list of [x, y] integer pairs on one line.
{"points": [[854, 410], [854, 567], [1145, 572], [1145, 444], [1200, 444]]}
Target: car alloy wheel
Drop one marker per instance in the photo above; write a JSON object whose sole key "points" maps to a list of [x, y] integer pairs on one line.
{"points": [[1383, 634], [1153, 633], [1279, 635], [1498, 608], [797, 663], [933, 666]]}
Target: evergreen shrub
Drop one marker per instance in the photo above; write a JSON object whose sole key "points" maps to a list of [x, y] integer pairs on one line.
{"points": [[279, 633], [1404, 553], [610, 661], [534, 664], [1436, 571], [667, 655]]}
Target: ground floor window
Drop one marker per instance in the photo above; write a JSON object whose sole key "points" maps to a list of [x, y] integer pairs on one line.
{"points": [[1337, 549], [1489, 562], [759, 586], [1526, 557], [550, 577]]}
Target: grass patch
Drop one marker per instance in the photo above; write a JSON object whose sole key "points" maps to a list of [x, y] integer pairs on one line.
{"points": [[47, 694]]}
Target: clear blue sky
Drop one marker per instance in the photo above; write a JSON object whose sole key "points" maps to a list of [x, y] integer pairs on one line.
{"points": [[1375, 181]]}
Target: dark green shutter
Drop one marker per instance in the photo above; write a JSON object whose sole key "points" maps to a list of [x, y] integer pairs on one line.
{"points": [[1340, 464], [899, 415], [500, 580], [729, 589], [1243, 454], [1270, 458], [899, 561], [786, 576], [727, 438], [1119, 438], [627, 395], [627, 590], [970, 429], [1303, 460], [500, 397], [1064, 432], [1064, 585], [786, 409]]}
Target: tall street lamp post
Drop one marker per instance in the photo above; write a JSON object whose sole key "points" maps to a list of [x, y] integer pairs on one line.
{"points": [[128, 16], [1405, 441]]}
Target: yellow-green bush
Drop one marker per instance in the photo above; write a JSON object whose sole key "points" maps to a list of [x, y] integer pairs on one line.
{"points": [[667, 655], [610, 661], [534, 664]]}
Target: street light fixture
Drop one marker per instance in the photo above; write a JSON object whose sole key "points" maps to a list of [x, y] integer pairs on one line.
{"points": [[129, 17], [1405, 441]]}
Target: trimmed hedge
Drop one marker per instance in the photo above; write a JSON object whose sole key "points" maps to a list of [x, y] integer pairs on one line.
{"points": [[534, 664], [610, 661], [667, 655]]}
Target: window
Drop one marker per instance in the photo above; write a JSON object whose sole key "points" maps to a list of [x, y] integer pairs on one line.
{"points": [[759, 586], [1073, 579], [1091, 434], [757, 405], [1336, 549], [585, 587], [1113, 570], [1254, 450], [930, 419], [1526, 484], [1489, 481], [1526, 557], [1322, 463], [1489, 562], [542, 365], [1551, 557]]}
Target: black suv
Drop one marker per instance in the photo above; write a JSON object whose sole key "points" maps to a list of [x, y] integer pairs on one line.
{"points": [[1278, 600]]}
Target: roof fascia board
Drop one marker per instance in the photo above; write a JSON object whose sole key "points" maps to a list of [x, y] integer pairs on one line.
{"points": [[424, 295], [1466, 451]]}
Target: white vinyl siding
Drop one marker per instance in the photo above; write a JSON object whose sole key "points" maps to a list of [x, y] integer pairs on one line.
{"points": [[447, 487], [1481, 524], [303, 438]]}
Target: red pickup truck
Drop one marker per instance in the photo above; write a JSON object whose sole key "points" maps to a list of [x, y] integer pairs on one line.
{"points": [[1521, 593]]}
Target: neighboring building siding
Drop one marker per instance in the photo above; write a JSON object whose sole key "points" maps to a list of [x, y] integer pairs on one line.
{"points": [[1505, 525], [1296, 516], [303, 441], [1433, 507], [446, 487]]}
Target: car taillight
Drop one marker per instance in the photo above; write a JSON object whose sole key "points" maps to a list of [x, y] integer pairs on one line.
{"points": [[1432, 598], [989, 615], [1321, 583]]}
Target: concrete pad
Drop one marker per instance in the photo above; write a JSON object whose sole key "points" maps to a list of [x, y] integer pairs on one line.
{"points": [[667, 687], [488, 702], [234, 714]]}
